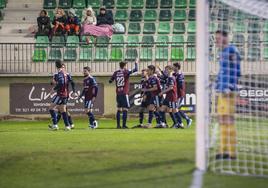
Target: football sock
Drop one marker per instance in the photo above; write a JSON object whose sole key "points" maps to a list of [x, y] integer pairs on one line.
{"points": [[184, 115], [150, 118], [91, 118], [118, 114], [172, 117], [70, 120], [157, 117], [124, 118], [232, 140], [65, 119], [162, 116], [53, 116], [141, 116], [223, 138], [178, 117], [58, 117]]}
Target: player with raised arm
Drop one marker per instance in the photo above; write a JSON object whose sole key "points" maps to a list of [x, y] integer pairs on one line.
{"points": [[181, 91], [226, 88], [121, 78], [170, 101], [61, 98], [90, 93], [154, 89]]}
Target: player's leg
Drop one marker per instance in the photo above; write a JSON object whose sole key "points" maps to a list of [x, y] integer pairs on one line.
{"points": [[70, 119], [162, 112], [62, 108], [174, 107], [126, 106], [157, 112], [53, 114], [183, 114], [173, 118], [119, 110]]}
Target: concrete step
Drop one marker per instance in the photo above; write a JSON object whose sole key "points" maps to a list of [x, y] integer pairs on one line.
{"points": [[10, 39], [27, 16], [24, 5]]}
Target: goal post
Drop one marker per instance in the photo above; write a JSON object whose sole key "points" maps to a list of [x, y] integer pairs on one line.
{"points": [[232, 87]]}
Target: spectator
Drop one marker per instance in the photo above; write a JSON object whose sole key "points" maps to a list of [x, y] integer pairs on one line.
{"points": [[59, 21], [72, 23], [89, 17], [105, 18], [43, 23]]}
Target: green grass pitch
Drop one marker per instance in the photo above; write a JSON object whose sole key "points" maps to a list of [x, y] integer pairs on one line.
{"points": [[32, 156]]}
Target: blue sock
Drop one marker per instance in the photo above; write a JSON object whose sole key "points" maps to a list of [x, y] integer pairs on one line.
{"points": [[58, 117], [118, 114], [53, 116], [157, 117], [91, 118], [124, 118], [178, 117], [172, 117], [150, 118], [184, 115], [70, 120], [141, 115], [65, 119], [162, 116]]}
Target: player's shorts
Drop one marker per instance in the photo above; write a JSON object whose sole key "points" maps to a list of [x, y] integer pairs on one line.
{"points": [[226, 103], [179, 102], [122, 101], [156, 100], [58, 100], [170, 104], [145, 102], [88, 104]]}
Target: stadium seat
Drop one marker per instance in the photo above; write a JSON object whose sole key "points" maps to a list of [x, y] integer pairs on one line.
{"points": [[122, 4], [179, 15], [237, 15], [177, 54], [223, 14], [212, 27], [133, 41], [50, 14], [253, 54], [102, 41], [101, 54], [70, 54], [135, 15], [254, 27], [65, 4], [79, 13], [48, 4], [166, 4], [108, 4], [192, 3], [134, 28], [265, 27], [162, 40], [191, 40], [180, 3], [164, 28], [85, 54], [72, 41], [146, 54], [150, 15], [224, 26], [177, 40], [191, 15], [121, 15], [191, 27], [178, 28], [137, 4], [79, 4], [148, 41], [57, 41], [165, 15], [265, 53], [131, 54], [151, 3], [94, 3], [238, 39], [254, 39], [239, 27], [265, 39], [42, 42], [54, 54], [118, 40], [161, 54], [40, 55], [149, 28], [116, 54], [191, 54]]}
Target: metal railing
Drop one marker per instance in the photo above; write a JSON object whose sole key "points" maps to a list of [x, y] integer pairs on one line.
{"points": [[103, 58]]}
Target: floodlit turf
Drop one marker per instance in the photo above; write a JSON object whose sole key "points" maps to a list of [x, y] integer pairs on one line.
{"points": [[32, 156]]}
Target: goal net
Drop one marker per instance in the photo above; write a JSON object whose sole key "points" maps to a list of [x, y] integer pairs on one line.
{"points": [[237, 141]]}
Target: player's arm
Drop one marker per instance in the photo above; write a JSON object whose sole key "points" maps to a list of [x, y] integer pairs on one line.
{"points": [[112, 78], [135, 69], [59, 84], [170, 87], [95, 92], [70, 79], [154, 88]]}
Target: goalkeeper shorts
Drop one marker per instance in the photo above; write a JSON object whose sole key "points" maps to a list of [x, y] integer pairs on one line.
{"points": [[226, 103]]}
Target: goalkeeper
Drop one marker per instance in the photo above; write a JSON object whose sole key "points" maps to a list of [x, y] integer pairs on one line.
{"points": [[226, 88]]}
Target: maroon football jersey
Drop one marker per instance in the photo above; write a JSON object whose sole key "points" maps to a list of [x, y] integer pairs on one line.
{"points": [[154, 81], [171, 95]]}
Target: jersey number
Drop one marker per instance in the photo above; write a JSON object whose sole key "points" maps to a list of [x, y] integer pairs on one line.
{"points": [[120, 81]]}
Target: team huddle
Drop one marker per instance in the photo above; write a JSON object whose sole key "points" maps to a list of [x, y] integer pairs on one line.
{"points": [[162, 92]]}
